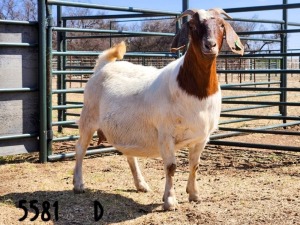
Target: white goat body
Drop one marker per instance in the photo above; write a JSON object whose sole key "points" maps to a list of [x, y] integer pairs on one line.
{"points": [[144, 111], [136, 103]]}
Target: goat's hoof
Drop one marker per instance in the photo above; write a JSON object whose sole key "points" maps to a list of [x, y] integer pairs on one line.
{"points": [[143, 187], [79, 190], [194, 198], [170, 204]]}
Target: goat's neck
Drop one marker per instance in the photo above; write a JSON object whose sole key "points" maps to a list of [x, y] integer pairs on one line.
{"points": [[197, 75]]}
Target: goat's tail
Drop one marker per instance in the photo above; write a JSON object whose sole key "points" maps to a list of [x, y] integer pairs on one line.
{"points": [[110, 55]]}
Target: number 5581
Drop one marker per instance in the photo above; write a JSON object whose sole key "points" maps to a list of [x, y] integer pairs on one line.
{"points": [[45, 213]]}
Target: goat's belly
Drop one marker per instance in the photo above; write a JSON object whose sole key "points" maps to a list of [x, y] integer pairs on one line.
{"points": [[133, 141]]}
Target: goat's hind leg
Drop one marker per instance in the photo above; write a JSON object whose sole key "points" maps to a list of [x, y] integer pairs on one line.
{"points": [[138, 178], [86, 134]]}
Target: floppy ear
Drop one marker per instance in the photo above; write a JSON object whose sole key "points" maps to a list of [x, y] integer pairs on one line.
{"points": [[181, 39], [233, 39]]}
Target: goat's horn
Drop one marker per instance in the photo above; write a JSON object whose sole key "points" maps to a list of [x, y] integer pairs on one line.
{"points": [[220, 11], [187, 12]]}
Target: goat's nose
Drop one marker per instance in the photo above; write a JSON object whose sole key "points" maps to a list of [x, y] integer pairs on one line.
{"points": [[210, 44]]}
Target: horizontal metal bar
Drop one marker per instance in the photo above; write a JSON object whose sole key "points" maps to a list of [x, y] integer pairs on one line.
{"points": [[16, 22], [17, 90], [261, 39], [79, 67], [262, 8], [75, 81], [252, 145], [88, 152], [129, 54], [60, 107], [257, 20], [235, 121], [260, 89], [61, 91], [70, 138], [231, 134], [57, 123], [252, 95], [269, 32], [61, 72], [246, 108], [261, 103], [118, 16], [105, 36], [248, 84], [260, 131], [72, 114], [13, 44], [112, 31], [113, 8], [17, 136], [262, 71], [261, 117], [258, 55], [72, 126]]}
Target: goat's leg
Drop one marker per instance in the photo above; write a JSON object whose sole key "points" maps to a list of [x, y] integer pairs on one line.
{"points": [[138, 178], [168, 156], [81, 146], [194, 160]]}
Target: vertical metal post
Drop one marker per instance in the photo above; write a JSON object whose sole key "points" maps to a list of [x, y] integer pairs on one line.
{"points": [[42, 82], [185, 6], [59, 64], [110, 43], [283, 76], [49, 79], [63, 76]]}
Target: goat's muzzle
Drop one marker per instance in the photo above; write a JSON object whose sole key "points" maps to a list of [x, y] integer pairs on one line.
{"points": [[210, 47]]}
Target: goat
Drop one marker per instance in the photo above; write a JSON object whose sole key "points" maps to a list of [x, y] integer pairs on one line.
{"points": [[149, 112]]}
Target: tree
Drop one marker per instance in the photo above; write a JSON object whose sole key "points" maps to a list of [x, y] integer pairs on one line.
{"points": [[152, 43], [18, 10]]}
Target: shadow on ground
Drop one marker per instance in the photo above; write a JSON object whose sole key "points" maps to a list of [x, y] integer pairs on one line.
{"points": [[79, 208]]}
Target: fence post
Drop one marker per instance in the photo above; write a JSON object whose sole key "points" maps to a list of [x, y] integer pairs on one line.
{"points": [[185, 6], [283, 76], [59, 66], [42, 82], [49, 79]]}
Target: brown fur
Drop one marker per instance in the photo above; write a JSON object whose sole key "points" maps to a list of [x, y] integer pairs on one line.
{"points": [[197, 76], [117, 52]]}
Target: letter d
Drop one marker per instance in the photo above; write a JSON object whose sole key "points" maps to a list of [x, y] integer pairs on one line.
{"points": [[98, 207]]}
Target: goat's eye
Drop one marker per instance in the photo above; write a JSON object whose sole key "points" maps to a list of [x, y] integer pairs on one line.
{"points": [[222, 26]]}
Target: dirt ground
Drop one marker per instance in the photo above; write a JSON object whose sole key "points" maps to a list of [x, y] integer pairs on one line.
{"points": [[238, 186]]}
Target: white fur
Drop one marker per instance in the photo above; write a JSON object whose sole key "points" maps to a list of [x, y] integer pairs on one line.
{"points": [[135, 103], [204, 15], [143, 112]]}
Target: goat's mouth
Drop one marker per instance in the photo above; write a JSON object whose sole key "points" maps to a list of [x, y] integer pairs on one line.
{"points": [[210, 54]]}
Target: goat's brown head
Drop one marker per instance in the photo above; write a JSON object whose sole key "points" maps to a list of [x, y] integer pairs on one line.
{"points": [[207, 29]]}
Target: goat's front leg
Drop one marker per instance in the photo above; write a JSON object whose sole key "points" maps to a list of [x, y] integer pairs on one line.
{"points": [[194, 160], [168, 155], [138, 178]]}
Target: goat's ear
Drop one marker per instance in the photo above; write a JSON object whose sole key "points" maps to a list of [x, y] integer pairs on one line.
{"points": [[181, 39], [233, 39]]}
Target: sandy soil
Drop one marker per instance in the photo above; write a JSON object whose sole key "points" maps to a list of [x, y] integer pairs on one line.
{"points": [[238, 186]]}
